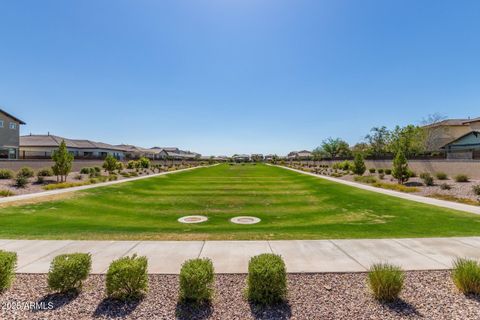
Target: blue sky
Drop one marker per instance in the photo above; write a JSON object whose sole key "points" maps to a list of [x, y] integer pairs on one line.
{"points": [[236, 76]]}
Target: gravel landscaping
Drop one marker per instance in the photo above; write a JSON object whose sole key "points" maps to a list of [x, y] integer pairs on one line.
{"points": [[427, 295]]}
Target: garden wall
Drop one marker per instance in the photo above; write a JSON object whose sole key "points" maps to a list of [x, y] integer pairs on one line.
{"points": [[450, 167], [15, 165]]}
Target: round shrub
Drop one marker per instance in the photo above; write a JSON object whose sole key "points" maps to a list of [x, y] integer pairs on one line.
{"points": [[388, 171], [27, 172], [476, 189], [46, 172], [427, 179], [8, 263], [127, 278], [85, 170], [267, 279], [380, 171], [21, 181], [196, 280], [385, 281], [461, 178], [441, 176], [6, 174], [445, 186], [466, 276], [68, 271], [372, 170]]}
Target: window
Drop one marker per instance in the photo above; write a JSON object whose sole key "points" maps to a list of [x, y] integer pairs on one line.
{"points": [[1, 123], [13, 125]]}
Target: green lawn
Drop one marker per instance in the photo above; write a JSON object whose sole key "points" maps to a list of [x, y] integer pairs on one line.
{"points": [[291, 206]]}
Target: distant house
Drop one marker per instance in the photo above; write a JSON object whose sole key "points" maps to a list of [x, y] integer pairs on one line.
{"points": [[464, 147], [9, 135], [257, 157], [42, 146], [241, 158], [174, 153], [300, 155], [441, 133], [134, 152]]}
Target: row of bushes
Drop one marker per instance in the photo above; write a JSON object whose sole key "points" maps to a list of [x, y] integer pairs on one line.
{"points": [[127, 278]]}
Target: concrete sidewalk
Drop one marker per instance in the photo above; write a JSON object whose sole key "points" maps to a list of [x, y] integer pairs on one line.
{"points": [[403, 195], [166, 257]]}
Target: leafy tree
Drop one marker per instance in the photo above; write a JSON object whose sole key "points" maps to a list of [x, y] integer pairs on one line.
{"points": [[63, 162], [334, 148], [359, 165], [400, 168], [144, 163], [409, 139], [110, 164], [378, 140]]}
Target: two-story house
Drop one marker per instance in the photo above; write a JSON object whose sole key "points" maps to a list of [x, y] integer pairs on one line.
{"points": [[9, 135]]}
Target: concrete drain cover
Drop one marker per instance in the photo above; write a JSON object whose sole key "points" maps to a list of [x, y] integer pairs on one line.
{"points": [[193, 219], [245, 220]]}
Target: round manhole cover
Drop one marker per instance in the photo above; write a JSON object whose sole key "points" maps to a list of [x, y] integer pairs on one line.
{"points": [[245, 220], [192, 219]]}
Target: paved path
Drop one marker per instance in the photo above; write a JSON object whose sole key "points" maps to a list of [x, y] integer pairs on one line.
{"points": [[407, 196], [166, 257], [90, 186]]}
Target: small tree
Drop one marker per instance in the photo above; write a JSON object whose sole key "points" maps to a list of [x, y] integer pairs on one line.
{"points": [[63, 162], [110, 164], [359, 165], [400, 168]]}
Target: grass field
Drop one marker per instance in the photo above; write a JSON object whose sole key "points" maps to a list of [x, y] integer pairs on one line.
{"points": [[291, 206]]}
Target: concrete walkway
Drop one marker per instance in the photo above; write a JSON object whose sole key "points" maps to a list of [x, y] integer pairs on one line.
{"points": [[90, 186], [166, 257], [407, 196]]}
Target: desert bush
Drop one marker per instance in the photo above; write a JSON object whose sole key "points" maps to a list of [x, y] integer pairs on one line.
{"points": [[21, 181], [380, 171], [388, 171], [365, 179], [372, 170], [85, 170], [27, 172], [6, 174], [112, 177], [132, 164], [97, 169], [78, 177], [385, 281], [64, 185], [8, 263], [6, 193], [461, 178], [476, 189], [441, 176], [427, 179], [68, 271], [445, 186], [466, 276], [120, 166], [381, 176], [267, 279], [411, 173], [395, 187], [344, 165], [110, 163], [45, 172], [196, 280], [358, 165], [127, 278], [144, 163], [401, 172]]}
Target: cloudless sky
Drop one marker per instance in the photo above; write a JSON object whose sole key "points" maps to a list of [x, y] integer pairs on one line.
{"points": [[236, 76]]}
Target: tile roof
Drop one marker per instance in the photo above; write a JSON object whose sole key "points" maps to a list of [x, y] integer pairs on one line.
{"points": [[54, 141], [11, 116]]}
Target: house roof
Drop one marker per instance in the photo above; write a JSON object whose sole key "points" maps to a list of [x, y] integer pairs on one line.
{"points": [[458, 138], [11, 116], [453, 122], [41, 140]]}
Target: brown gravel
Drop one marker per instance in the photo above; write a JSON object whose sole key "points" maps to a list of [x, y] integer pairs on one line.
{"points": [[427, 295]]}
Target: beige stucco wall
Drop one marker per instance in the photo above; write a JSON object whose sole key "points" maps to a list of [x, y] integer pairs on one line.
{"points": [[9, 137]]}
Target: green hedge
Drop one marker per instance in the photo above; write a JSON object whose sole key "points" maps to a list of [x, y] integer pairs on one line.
{"points": [[68, 271], [127, 278], [196, 280]]}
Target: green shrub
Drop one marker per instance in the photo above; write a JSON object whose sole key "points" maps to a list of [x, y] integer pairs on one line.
{"points": [[441, 176], [445, 186], [461, 178], [388, 171], [466, 276], [85, 170], [97, 169], [395, 187], [64, 185], [380, 171], [132, 164], [110, 164], [127, 278], [112, 177], [27, 172], [46, 172], [8, 263], [144, 163], [120, 166], [358, 165], [267, 279], [476, 189], [411, 173], [196, 280], [365, 179], [372, 170], [381, 176], [385, 281], [6, 174], [21, 181], [6, 193], [68, 271], [427, 178]]}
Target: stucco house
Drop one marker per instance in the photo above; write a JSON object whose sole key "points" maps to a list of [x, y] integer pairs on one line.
{"points": [[300, 155], [42, 146], [175, 153], [441, 133], [9, 135], [464, 147]]}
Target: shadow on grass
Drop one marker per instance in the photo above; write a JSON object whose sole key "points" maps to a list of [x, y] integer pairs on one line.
{"points": [[402, 307], [112, 308], [55, 301], [279, 311], [193, 311]]}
